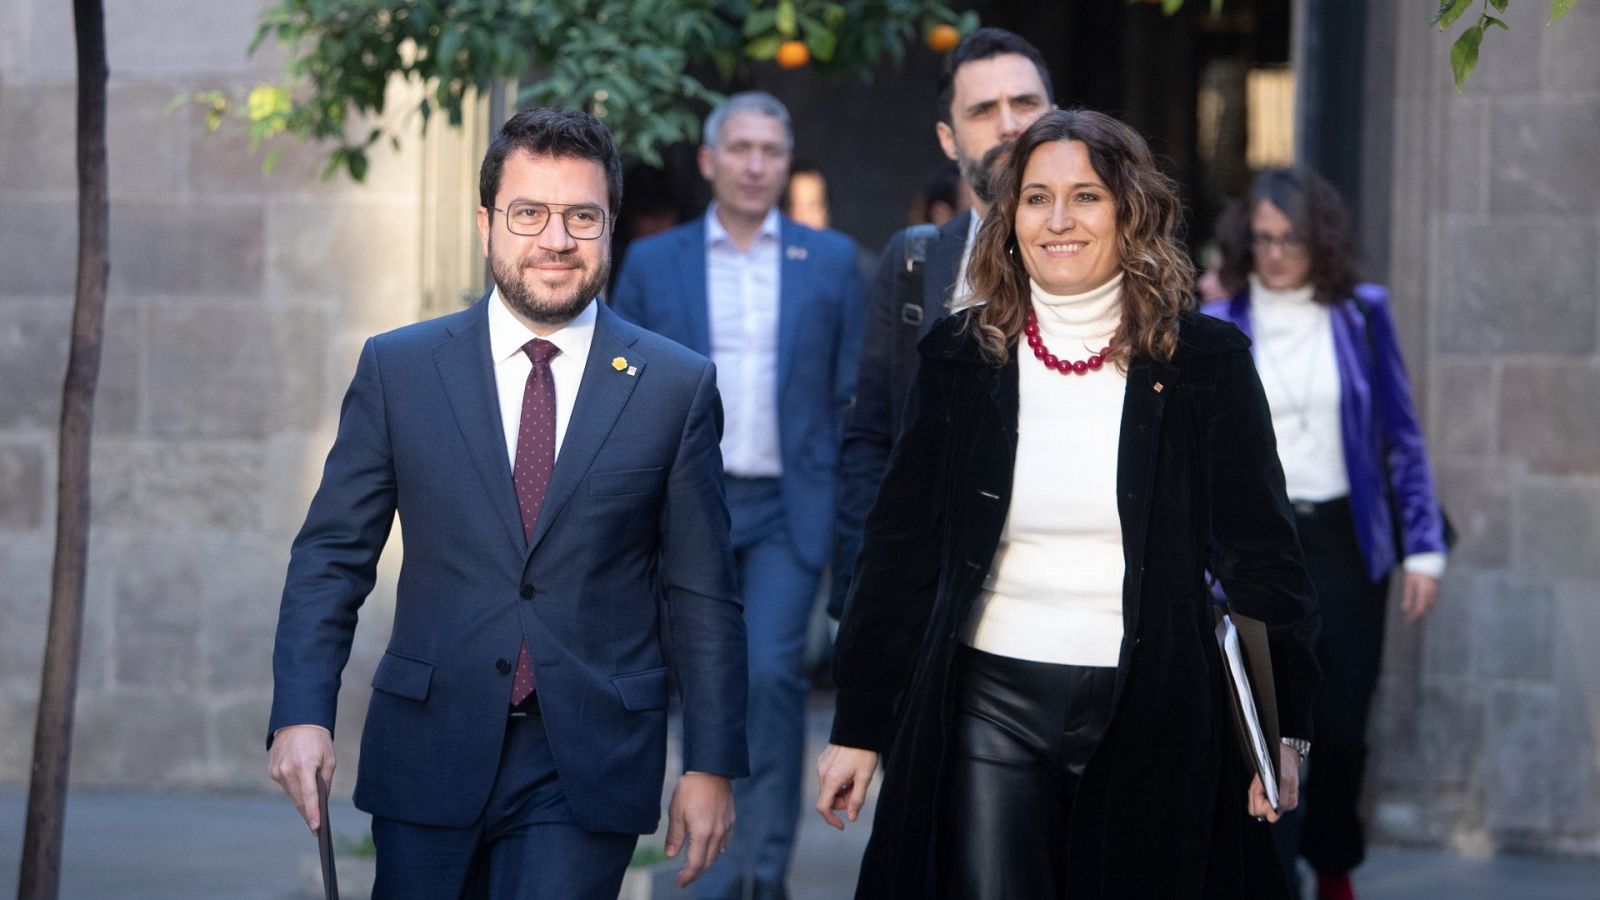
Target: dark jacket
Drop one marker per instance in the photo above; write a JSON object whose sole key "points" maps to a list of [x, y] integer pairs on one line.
{"points": [[1161, 809], [1377, 420], [901, 309]]}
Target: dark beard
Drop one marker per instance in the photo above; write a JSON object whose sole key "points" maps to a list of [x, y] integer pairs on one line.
{"points": [[979, 172], [555, 312]]}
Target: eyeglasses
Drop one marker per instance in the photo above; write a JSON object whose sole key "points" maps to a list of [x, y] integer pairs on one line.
{"points": [[528, 219], [1287, 244]]}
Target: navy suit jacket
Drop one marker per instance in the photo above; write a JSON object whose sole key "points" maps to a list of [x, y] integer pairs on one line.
{"points": [[821, 312], [628, 572]]}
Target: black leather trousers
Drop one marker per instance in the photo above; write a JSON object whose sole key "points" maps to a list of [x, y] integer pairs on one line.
{"points": [[1024, 733]]}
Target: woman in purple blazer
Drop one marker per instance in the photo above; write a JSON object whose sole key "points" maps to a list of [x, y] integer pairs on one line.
{"points": [[1356, 470]]}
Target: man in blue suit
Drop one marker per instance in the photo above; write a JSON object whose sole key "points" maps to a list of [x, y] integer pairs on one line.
{"points": [[558, 476], [779, 308]]}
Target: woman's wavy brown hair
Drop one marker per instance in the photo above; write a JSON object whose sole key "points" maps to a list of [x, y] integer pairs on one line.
{"points": [[1319, 219], [1158, 276]]}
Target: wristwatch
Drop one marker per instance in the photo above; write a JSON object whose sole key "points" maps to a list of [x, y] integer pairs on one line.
{"points": [[1298, 744]]}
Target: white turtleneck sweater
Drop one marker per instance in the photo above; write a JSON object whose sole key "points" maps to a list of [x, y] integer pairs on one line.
{"points": [[1293, 347], [1294, 353], [1054, 590]]}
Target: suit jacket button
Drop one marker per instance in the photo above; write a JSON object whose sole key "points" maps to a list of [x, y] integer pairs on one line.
{"points": [[502, 666], [527, 592]]}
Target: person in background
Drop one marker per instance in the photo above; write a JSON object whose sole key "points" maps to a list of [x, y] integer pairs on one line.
{"points": [[1209, 284], [1357, 472], [778, 307], [994, 85], [1029, 636], [941, 198], [806, 199]]}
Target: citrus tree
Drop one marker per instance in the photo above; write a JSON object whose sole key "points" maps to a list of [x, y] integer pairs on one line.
{"points": [[633, 63]]}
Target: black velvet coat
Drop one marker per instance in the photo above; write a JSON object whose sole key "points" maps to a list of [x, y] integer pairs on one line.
{"points": [[1161, 809]]}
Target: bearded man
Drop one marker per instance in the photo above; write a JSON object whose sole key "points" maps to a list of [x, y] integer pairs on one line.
{"points": [[557, 473]]}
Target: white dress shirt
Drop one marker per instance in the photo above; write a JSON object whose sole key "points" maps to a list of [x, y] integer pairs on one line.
{"points": [[742, 293], [507, 335], [1054, 590]]}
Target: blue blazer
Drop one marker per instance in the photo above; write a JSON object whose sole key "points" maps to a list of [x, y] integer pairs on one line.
{"points": [[821, 313], [628, 573], [1376, 416]]}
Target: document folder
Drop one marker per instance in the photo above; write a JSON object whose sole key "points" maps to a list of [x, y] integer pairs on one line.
{"points": [[1247, 669], [330, 878]]}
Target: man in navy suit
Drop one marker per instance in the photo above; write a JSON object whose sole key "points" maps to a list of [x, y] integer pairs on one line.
{"points": [[557, 473], [779, 308]]}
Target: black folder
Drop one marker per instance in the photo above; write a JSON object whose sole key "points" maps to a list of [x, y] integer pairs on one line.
{"points": [[330, 878], [1262, 696]]}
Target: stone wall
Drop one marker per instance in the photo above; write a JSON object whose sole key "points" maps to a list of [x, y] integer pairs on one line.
{"points": [[1488, 732], [237, 307]]}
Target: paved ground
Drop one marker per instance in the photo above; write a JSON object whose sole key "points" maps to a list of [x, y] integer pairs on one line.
{"points": [[153, 846]]}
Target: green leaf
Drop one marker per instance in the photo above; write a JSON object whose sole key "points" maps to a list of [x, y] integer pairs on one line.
{"points": [[271, 162], [1171, 7], [1449, 12], [759, 21], [1491, 20], [764, 47], [821, 45], [1499, 5], [786, 18], [1559, 8], [1216, 8], [1464, 53], [449, 45]]}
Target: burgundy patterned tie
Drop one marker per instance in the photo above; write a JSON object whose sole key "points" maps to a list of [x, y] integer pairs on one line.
{"points": [[536, 456]]}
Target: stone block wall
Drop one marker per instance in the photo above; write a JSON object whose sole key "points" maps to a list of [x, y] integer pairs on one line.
{"points": [[237, 307], [1488, 732]]}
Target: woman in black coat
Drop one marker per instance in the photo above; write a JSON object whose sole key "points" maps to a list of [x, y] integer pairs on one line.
{"points": [[1035, 746]]}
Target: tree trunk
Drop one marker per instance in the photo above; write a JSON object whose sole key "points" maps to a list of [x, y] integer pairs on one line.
{"points": [[52, 742]]}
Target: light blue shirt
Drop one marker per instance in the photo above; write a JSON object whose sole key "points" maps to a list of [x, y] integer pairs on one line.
{"points": [[742, 292]]}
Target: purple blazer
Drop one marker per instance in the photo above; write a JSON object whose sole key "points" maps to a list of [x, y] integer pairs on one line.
{"points": [[1376, 416]]}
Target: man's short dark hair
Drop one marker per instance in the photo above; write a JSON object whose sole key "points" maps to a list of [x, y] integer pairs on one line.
{"points": [[987, 43], [562, 133]]}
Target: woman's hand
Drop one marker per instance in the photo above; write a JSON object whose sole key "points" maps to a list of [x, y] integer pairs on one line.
{"points": [[844, 773], [1420, 594], [1288, 787]]}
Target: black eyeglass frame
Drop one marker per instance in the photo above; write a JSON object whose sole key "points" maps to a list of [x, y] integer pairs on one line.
{"points": [[566, 210]]}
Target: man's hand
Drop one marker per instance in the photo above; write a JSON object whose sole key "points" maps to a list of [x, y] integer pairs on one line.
{"points": [[1288, 787], [1420, 594], [701, 812], [299, 752], [843, 774]]}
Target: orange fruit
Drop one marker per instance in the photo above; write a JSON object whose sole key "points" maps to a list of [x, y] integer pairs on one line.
{"points": [[793, 54], [943, 38]]}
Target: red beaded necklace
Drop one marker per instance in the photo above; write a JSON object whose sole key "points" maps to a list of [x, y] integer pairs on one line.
{"points": [[1051, 361]]}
